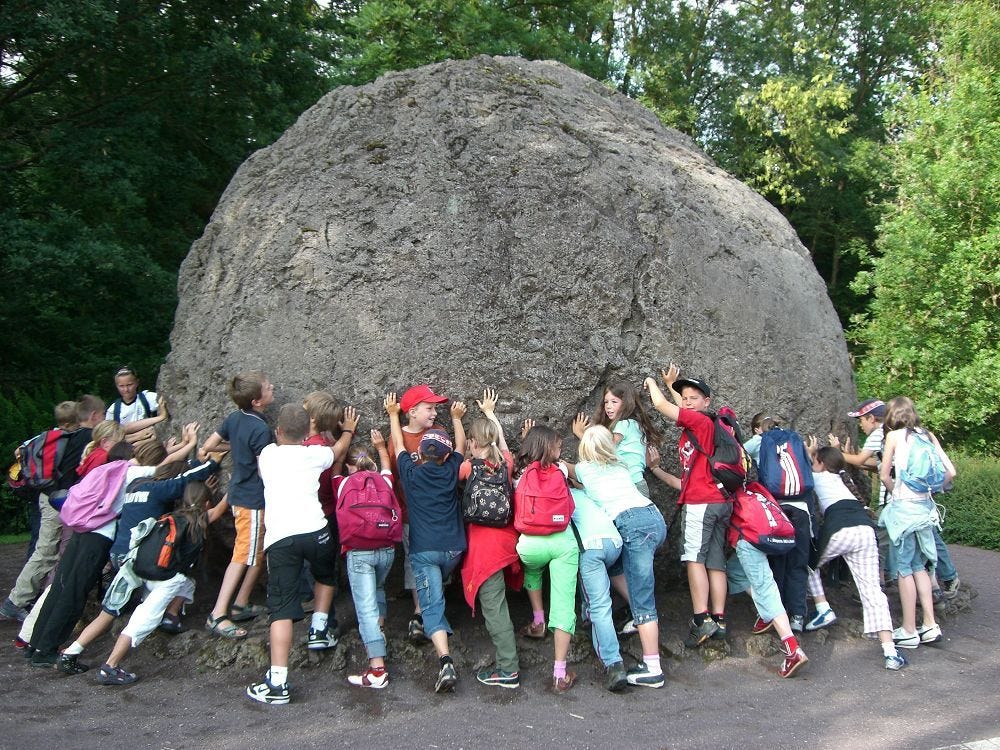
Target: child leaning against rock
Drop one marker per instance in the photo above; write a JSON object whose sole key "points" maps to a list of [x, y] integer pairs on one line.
{"points": [[296, 531], [437, 537]]}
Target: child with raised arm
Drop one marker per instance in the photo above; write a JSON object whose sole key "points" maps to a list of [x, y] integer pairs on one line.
{"points": [[419, 404], [705, 507], [642, 530], [437, 536], [247, 434], [296, 531], [491, 563], [367, 570], [624, 415]]}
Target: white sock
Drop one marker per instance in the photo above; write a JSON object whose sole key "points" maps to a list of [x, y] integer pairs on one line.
{"points": [[822, 607], [319, 620], [74, 649], [652, 663], [278, 675], [889, 649]]}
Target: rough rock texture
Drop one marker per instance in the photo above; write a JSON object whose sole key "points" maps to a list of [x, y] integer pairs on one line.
{"points": [[502, 222]]}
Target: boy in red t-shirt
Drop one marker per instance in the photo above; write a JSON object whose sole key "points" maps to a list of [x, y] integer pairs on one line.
{"points": [[419, 404], [705, 508]]}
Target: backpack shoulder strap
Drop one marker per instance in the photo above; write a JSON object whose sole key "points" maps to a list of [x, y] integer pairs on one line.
{"points": [[118, 410], [145, 404]]}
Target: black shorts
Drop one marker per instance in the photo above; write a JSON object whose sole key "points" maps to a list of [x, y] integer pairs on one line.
{"points": [[284, 566]]}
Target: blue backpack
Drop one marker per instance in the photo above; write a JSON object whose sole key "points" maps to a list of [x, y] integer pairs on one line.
{"points": [[924, 471], [784, 466]]}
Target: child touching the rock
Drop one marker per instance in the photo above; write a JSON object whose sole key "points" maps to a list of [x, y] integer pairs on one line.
{"points": [[491, 563], [607, 481], [296, 531], [538, 469], [623, 413], [848, 532], [437, 536], [367, 570]]}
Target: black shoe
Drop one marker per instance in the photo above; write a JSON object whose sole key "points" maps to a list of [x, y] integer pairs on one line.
{"points": [[68, 664], [38, 659], [616, 679]]}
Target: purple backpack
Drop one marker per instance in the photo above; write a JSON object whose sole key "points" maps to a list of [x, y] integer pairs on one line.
{"points": [[91, 501]]}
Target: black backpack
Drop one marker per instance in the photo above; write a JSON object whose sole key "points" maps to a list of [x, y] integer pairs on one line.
{"points": [[167, 550], [487, 497]]}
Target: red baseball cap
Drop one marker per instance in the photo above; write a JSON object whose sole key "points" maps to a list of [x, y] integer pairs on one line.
{"points": [[418, 394]]}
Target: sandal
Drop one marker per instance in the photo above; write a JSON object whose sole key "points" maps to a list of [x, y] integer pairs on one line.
{"points": [[171, 624], [231, 631], [238, 613]]}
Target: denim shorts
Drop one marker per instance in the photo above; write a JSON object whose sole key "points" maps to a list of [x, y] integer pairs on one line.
{"points": [[643, 530], [909, 557]]}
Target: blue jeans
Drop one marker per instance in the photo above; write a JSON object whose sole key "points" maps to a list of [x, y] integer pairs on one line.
{"points": [[430, 569], [945, 567], [367, 571], [749, 569], [594, 565], [643, 530]]}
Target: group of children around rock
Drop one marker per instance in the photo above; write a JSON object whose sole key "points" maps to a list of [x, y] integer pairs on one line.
{"points": [[283, 495]]}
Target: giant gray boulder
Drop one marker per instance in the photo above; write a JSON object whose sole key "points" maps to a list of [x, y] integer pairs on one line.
{"points": [[506, 223]]}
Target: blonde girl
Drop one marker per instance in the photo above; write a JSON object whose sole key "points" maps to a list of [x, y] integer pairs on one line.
{"points": [[640, 523]]}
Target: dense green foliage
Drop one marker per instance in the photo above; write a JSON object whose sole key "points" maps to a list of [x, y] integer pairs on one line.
{"points": [[973, 507], [121, 124], [933, 331]]}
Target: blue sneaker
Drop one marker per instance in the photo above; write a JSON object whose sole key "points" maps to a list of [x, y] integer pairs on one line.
{"points": [[821, 620], [895, 663]]}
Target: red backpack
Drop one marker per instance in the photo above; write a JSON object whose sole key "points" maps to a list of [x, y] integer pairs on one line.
{"points": [[40, 459], [758, 518], [727, 461], [368, 513], [543, 504]]}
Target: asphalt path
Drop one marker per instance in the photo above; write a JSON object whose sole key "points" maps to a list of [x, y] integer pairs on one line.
{"points": [[843, 698]]}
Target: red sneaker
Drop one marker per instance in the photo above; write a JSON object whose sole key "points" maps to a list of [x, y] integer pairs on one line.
{"points": [[760, 626], [793, 662]]}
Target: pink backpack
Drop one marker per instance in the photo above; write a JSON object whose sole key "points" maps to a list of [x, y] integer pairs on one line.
{"points": [[368, 513], [91, 501], [542, 502]]}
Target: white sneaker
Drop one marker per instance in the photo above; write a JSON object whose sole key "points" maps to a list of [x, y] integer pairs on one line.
{"points": [[821, 620], [369, 679], [930, 634], [902, 639]]}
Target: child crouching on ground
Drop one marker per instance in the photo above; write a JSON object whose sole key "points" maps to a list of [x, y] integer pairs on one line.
{"points": [[296, 531], [437, 537]]}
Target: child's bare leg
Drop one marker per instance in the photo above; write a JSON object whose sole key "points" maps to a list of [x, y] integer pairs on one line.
{"points": [[246, 588], [174, 608], [122, 646], [98, 627], [230, 582], [717, 589], [440, 640], [281, 642], [697, 577], [322, 597]]}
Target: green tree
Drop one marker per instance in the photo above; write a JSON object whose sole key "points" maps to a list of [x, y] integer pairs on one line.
{"points": [[384, 35], [933, 328], [120, 125]]}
